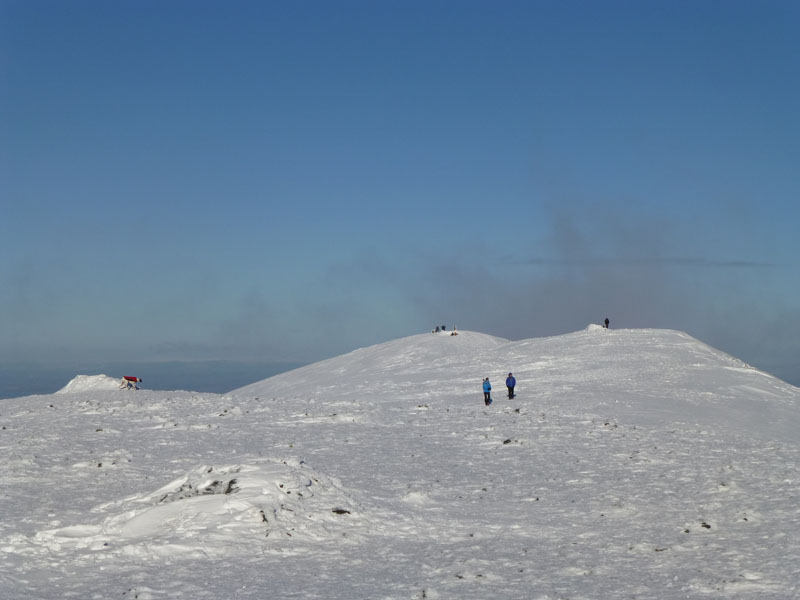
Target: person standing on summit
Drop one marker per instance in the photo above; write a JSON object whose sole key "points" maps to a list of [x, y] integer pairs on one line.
{"points": [[510, 383], [487, 391]]}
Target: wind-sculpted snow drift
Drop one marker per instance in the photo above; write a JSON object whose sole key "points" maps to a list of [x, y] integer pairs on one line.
{"points": [[631, 464], [216, 511], [89, 383]]}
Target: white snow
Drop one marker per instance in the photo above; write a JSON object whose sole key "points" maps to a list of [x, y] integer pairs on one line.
{"points": [[88, 383], [631, 464]]}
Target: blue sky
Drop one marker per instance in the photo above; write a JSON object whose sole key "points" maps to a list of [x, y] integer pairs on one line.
{"points": [[292, 180]]}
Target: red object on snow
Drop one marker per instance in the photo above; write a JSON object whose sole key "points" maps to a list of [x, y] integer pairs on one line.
{"points": [[133, 379]]}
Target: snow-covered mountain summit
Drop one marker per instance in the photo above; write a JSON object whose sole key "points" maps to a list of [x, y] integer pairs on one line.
{"points": [[647, 375], [631, 464]]}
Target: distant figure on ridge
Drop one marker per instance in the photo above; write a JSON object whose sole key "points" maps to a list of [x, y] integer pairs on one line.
{"points": [[487, 391], [607, 322], [510, 383], [130, 383]]}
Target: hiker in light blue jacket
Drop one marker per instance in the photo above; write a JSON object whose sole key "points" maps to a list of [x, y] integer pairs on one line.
{"points": [[487, 391]]}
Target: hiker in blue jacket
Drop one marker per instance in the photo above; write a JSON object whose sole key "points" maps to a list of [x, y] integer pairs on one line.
{"points": [[510, 383], [487, 391]]}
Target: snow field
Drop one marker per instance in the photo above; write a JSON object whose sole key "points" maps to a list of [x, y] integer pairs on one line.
{"points": [[632, 464]]}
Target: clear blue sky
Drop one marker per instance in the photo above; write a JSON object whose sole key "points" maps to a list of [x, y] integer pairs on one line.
{"points": [[291, 180]]}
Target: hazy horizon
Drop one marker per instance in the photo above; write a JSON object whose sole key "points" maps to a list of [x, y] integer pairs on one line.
{"points": [[27, 379], [216, 376]]}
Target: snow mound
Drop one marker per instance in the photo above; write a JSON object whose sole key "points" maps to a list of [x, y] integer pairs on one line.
{"points": [[219, 510], [89, 383]]}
